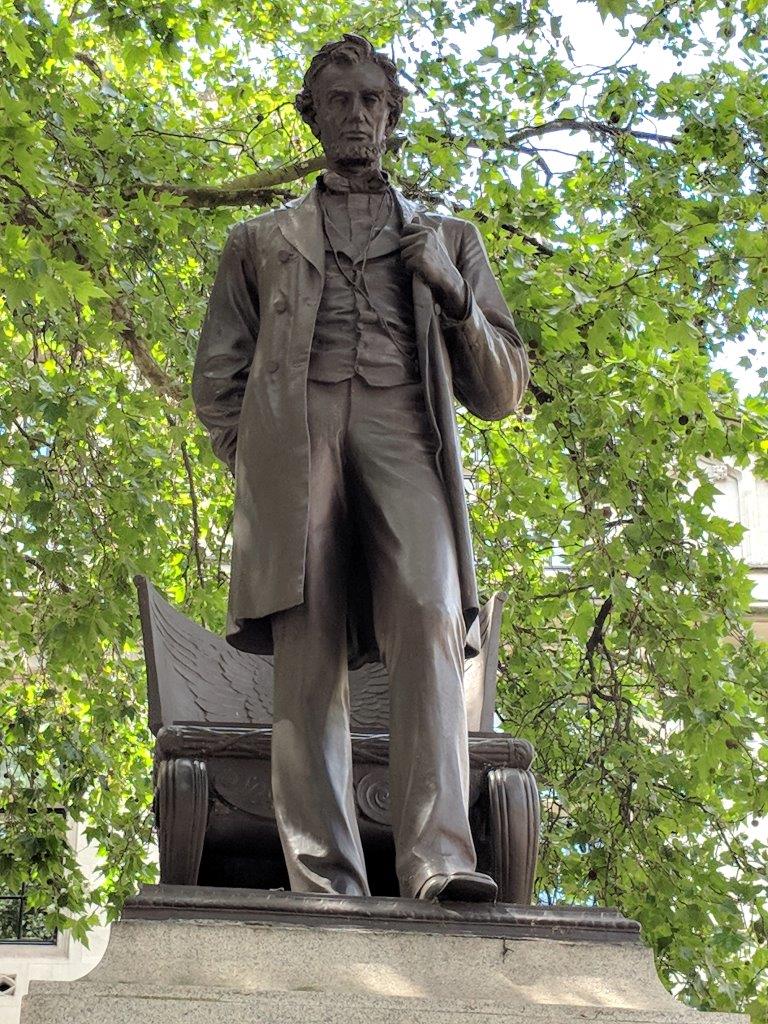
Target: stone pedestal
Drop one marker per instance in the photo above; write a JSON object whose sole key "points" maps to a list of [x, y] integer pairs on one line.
{"points": [[236, 956]]}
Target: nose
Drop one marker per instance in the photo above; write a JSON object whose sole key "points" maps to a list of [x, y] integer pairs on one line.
{"points": [[357, 110]]}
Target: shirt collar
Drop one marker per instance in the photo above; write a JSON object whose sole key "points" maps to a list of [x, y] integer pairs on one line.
{"points": [[374, 181]]}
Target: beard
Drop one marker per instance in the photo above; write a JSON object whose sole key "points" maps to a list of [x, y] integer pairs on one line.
{"points": [[344, 151]]}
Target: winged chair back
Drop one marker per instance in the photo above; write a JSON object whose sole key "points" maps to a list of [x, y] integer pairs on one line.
{"points": [[194, 676]]}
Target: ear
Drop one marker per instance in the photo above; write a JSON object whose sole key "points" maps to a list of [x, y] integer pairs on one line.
{"points": [[309, 119], [394, 117]]}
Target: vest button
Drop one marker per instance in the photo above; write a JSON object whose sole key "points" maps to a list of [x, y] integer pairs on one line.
{"points": [[284, 255], [438, 308], [273, 367], [280, 305]]}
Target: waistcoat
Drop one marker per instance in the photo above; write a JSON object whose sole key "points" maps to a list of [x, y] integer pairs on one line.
{"points": [[368, 333]]}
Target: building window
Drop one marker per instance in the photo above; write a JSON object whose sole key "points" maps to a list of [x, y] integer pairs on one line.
{"points": [[21, 923]]}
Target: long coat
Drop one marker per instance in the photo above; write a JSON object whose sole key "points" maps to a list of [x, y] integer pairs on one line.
{"points": [[250, 390]]}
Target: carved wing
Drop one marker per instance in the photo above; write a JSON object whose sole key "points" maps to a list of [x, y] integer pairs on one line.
{"points": [[195, 676], [198, 677], [480, 671]]}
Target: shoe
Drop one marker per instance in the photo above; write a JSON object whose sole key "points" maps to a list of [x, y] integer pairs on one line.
{"points": [[460, 887]]}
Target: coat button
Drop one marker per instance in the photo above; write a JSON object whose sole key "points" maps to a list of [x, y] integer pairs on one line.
{"points": [[438, 308], [285, 255], [280, 305], [273, 367]]}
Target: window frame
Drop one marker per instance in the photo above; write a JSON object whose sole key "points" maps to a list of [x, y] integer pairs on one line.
{"points": [[22, 939]]}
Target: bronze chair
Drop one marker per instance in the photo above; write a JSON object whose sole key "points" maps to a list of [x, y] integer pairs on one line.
{"points": [[210, 708]]}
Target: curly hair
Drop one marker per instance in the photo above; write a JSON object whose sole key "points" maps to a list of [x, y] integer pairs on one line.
{"points": [[353, 50]]}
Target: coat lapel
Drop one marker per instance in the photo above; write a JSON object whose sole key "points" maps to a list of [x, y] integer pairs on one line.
{"points": [[302, 228], [423, 303], [423, 316], [408, 209]]}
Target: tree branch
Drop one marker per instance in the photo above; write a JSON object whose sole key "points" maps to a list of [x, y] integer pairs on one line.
{"points": [[145, 361], [596, 636], [259, 189], [62, 586], [90, 63], [210, 197], [597, 129], [252, 190], [280, 175]]}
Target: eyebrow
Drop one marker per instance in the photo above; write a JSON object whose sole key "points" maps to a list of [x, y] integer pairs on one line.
{"points": [[346, 92]]}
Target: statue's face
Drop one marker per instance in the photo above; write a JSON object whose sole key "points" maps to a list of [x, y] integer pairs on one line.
{"points": [[351, 111]]}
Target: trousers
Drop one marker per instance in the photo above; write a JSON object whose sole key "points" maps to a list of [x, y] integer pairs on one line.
{"points": [[373, 474]]}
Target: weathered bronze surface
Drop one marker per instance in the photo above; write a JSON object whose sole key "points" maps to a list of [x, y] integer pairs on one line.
{"points": [[210, 708], [327, 385], [568, 924]]}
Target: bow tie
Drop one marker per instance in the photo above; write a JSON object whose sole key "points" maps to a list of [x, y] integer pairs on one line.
{"points": [[372, 181]]}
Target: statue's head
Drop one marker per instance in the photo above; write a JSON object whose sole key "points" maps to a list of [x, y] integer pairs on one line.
{"points": [[351, 100]]}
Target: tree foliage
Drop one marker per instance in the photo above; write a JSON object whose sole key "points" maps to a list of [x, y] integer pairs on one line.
{"points": [[133, 136]]}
